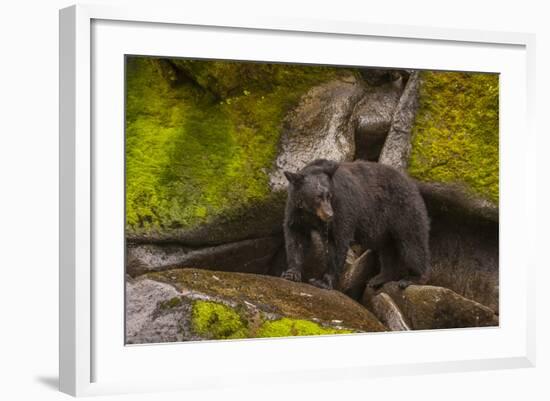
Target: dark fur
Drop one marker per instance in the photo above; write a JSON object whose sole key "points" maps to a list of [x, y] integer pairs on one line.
{"points": [[371, 203]]}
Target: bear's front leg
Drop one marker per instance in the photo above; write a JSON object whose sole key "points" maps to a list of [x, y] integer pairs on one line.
{"points": [[296, 244]]}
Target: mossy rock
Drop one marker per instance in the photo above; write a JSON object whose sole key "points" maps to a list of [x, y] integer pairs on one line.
{"points": [[201, 140], [456, 132], [223, 305], [226, 79], [191, 304], [273, 295]]}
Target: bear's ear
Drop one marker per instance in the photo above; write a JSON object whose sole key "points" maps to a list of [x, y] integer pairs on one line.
{"points": [[329, 167], [294, 178]]}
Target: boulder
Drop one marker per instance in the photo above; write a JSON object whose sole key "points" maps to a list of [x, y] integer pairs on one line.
{"points": [[191, 304], [319, 127], [385, 309], [431, 307], [156, 313]]}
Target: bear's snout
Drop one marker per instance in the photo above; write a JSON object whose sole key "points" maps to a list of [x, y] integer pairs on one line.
{"points": [[324, 212]]}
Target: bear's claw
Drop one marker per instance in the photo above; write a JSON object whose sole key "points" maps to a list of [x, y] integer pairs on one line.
{"points": [[292, 275]]}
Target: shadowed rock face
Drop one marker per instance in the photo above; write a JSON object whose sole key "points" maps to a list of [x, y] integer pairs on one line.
{"points": [[319, 127], [166, 306], [465, 258], [463, 242], [249, 256], [455, 201], [380, 76], [373, 117]]}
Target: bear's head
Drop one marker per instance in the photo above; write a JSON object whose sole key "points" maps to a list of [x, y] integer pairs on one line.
{"points": [[310, 189]]}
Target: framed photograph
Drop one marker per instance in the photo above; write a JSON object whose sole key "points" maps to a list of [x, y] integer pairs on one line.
{"points": [[238, 195]]}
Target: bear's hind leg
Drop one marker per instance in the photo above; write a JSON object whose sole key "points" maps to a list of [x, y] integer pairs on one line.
{"points": [[415, 258], [390, 267]]}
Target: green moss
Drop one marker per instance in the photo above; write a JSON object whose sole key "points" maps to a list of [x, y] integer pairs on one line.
{"points": [[192, 155], [217, 321], [456, 132], [286, 327]]}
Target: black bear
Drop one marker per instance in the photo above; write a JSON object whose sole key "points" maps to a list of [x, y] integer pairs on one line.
{"points": [[370, 203]]}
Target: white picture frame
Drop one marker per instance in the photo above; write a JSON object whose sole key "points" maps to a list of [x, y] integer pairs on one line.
{"points": [[91, 362]]}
